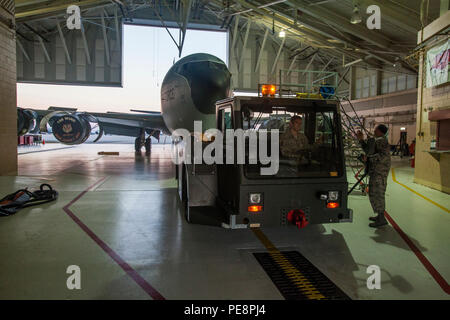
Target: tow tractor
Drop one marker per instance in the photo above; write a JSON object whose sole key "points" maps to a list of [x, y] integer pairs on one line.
{"points": [[308, 189]]}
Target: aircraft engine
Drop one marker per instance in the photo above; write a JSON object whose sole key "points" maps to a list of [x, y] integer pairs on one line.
{"points": [[73, 128], [26, 121]]}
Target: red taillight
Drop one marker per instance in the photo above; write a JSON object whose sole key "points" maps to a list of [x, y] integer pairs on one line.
{"points": [[332, 205], [255, 208]]}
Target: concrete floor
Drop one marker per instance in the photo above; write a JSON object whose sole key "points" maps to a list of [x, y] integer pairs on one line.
{"points": [[133, 212]]}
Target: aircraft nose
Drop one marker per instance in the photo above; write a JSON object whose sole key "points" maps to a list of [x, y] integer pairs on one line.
{"points": [[209, 82], [217, 75], [210, 73]]}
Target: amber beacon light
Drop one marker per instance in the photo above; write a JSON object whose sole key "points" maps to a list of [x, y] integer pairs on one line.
{"points": [[268, 90]]}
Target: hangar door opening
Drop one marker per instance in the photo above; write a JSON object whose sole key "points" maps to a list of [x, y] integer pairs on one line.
{"points": [[148, 53]]}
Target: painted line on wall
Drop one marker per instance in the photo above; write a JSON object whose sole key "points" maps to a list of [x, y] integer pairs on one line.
{"points": [[425, 262], [152, 292], [417, 193]]}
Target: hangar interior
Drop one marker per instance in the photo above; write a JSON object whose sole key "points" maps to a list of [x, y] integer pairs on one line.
{"points": [[119, 218]]}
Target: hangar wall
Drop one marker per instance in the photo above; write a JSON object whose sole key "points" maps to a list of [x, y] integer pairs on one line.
{"points": [[8, 100], [91, 56], [432, 167], [243, 61], [370, 82], [396, 110]]}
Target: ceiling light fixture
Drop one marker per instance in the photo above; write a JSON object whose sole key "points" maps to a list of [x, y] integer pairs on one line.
{"points": [[334, 40], [282, 34], [356, 16]]}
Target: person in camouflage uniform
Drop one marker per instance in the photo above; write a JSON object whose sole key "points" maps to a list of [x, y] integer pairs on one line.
{"points": [[378, 157], [293, 141]]}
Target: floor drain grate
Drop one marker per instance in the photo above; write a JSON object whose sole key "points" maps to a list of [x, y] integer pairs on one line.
{"points": [[296, 278]]}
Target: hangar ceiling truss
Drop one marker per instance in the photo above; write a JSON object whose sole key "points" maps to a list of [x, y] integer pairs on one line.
{"points": [[315, 29]]}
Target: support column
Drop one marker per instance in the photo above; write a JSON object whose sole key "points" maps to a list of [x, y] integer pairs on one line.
{"points": [[8, 100], [379, 82], [352, 83], [445, 6]]}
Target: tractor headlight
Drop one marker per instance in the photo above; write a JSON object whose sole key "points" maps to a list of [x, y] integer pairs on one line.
{"points": [[323, 196], [255, 198], [333, 195]]}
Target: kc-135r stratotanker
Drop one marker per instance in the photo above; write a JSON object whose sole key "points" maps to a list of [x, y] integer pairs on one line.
{"points": [[309, 189]]}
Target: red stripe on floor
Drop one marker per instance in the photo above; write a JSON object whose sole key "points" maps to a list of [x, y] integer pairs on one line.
{"points": [[152, 292], [427, 264]]}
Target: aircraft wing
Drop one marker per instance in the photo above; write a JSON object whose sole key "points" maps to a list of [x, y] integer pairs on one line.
{"points": [[128, 124], [65, 120]]}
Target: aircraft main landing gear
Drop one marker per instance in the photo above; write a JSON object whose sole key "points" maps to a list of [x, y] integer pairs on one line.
{"points": [[138, 144], [148, 145]]}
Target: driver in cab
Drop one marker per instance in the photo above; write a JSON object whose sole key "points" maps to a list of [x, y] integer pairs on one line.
{"points": [[293, 142]]}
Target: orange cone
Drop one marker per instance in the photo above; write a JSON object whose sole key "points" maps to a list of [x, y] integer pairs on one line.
{"points": [[43, 141]]}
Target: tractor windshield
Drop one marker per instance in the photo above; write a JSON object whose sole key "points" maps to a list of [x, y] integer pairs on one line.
{"points": [[309, 144]]}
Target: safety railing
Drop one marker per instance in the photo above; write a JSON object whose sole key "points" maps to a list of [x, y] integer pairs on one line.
{"points": [[293, 81]]}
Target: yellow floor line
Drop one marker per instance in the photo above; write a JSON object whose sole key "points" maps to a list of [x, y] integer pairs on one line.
{"points": [[415, 192], [300, 281]]}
